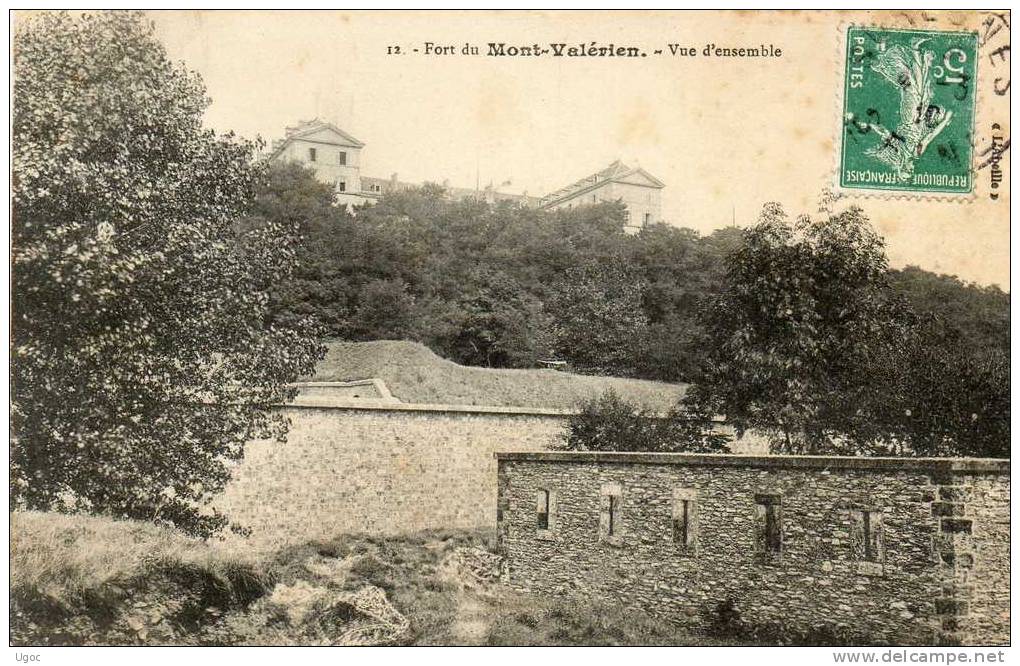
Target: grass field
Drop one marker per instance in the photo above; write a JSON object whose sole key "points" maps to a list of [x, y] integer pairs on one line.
{"points": [[78, 580], [414, 373]]}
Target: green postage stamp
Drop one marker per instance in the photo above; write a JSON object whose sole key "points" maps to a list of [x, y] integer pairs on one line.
{"points": [[908, 110]]}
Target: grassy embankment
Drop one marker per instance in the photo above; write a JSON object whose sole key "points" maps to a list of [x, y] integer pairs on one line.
{"points": [[413, 373]]}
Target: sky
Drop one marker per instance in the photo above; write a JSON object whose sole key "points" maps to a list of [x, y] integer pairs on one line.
{"points": [[726, 135]]}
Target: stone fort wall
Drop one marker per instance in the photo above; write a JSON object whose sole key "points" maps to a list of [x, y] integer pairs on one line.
{"points": [[900, 551], [379, 468], [357, 460]]}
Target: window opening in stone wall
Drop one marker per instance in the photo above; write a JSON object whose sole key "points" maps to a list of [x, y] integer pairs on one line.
{"points": [[342, 185], [543, 509], [773, 528], [680, 522], [769, 509], [610, 513], [311, 154], [869, 544], [342, 158], [684, 518], [868, 538]]}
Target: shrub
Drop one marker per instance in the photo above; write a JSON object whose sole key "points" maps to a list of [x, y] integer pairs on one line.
{"points": [[610, 423]]}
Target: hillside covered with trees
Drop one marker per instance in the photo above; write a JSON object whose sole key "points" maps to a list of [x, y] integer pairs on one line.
{"points": [[498, 286], [504, 286], [798, 328]]}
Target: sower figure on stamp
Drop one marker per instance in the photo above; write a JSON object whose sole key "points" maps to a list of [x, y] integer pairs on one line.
{"points": [[920, 121]]}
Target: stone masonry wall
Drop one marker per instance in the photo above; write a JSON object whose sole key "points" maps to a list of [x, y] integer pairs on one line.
{"points": [[977, 570], [892, 551], [379, 469]]}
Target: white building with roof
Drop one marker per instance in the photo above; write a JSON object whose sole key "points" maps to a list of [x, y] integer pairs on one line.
{"points": [[639, 191], [335, 156], [332, 153]]}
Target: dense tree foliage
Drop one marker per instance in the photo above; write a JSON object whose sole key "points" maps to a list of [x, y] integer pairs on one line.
{"points": [[811, 341], [610, 423], [141, 356], [944, 396], [798, 328], [500, 285], [806, 305], [598, 320], [979, 314]]}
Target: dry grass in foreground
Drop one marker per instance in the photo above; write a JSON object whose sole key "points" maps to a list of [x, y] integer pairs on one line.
{"points": [[79, 580]]}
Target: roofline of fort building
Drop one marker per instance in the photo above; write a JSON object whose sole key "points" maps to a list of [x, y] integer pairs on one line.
{"points": [[957, 465]]}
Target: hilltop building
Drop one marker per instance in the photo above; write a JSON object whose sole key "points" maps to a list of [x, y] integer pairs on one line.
{"points": [[639, 190], [335, 156]]}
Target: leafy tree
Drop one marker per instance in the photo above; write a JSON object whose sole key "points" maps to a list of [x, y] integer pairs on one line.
{"points": [[980, 315], [682, 270], [946, 400], [385, 311], [501, 324], [811, 342], [315, 288], [597, 318], [669, 350], [141, 357], [610, 423], [805, 310]]}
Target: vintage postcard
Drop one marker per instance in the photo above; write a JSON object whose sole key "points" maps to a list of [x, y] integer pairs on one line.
{"points": [[510, 328]]}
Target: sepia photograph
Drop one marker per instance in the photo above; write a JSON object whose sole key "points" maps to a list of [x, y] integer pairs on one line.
{"points": [[506, 328]]}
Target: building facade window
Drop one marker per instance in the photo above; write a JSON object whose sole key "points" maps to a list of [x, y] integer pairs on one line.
{"points": [[685, 519], [542, 501], [342, 158], [867, 540], [611, 514], [341, 185], [312, 154], [545, 514], [769, 513], [648, 219]]}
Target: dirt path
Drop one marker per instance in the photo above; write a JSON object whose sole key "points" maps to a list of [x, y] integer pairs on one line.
{"points": [[474, 572], [473, 620]]}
